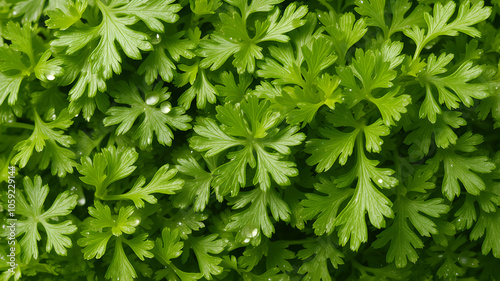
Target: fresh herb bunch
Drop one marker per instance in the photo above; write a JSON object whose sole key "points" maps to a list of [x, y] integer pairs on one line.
{"points": [[250, 139]]}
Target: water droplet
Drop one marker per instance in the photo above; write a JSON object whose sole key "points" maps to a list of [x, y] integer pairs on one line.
{"points": [[14, 13], [76, 115], [380, 181], [361, 2], [156, 39], [53, 117], [246, 240], [136, 222], [149, 140], [74, 188], [81, 201], [152, 98], [179, 223], [51, 77], [166, 107]]}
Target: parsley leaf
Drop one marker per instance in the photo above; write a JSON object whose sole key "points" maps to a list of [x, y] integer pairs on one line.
{"points": [[203, 247], [31, 208], [233, 37], [460, 167], [252, 126], [117, 16], [169, 247], [321, 250], [156, 120], [51, 143], [412, 207]]}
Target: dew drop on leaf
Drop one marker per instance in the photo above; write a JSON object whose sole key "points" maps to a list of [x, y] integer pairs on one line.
{"points": [[152, 98], [166, 107], [156, 39]]}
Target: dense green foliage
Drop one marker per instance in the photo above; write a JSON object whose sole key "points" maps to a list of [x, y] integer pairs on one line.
{"points": [[250, 139]]}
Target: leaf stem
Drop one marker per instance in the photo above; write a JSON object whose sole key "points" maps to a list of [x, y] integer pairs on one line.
{"points": [[19, 125]]}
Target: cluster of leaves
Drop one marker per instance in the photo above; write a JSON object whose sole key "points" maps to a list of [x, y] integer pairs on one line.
{"points": [[250, 139]]}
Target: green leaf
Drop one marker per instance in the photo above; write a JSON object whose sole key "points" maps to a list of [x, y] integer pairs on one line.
{"points": [[156, 120], [366, 199], [461, 168], [66, 15], [251, 221], [326, 208], [162, 182], [169, 247], [116, 17], [196, 187], [233, 37], [403, 240], [31, 208], [457, 82], [50, 142], [321, 251], [344, 31], [252, 125], [107, 167], [437, 24], [204, 248]]}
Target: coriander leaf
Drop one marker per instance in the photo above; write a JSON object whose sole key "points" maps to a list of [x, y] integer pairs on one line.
{"points": [[156, 120], [321, 251], [67, 14], [102, 226], [338, 145], [31, 208], [252, 125], [437, 24], [326, 208], [107, 167], [159, 63], [403, 241], [162, 182], [120, 267], [488, 223], [169, 247], [204, 248], [344, 32], [444, 136], [461, 168], [401, 21], [51, 143], [31, 9], [116, 17], [254, 219], [187, 221], [233, 37], [201, 87], [375, 11], [366, 199], [234, 92], [456, 82], [197, 182], [204, 7]]}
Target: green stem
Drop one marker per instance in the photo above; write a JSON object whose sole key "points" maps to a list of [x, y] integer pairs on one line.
{"points": [[19, 125]]}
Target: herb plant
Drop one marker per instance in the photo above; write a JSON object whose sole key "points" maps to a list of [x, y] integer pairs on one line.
{"points": [[250, 140]]}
